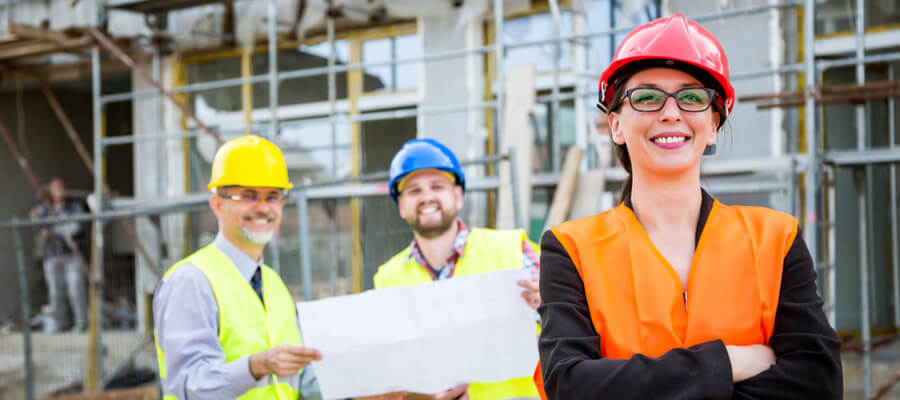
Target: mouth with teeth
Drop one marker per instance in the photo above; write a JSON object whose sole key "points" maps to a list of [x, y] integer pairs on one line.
{"points": [[429, 211], [259, 221], [258, 227], [670, 140]]}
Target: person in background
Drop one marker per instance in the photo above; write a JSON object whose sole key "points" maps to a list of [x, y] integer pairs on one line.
{"points": [[66, 281]]}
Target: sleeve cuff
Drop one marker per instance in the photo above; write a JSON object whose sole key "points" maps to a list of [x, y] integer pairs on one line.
{"points": [[718, 370], [239, 370]]}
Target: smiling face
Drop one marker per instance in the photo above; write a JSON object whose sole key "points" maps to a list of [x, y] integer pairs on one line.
{"points": [[248, 215], [669, 140], [429, 202]]}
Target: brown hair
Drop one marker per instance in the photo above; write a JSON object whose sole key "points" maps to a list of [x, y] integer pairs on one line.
{"points": [[621, 77]]}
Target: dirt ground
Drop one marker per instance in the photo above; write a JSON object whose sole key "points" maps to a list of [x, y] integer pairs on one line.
{"points": [[60, 360]]}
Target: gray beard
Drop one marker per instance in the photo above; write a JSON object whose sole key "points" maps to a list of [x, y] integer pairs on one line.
{"points": [[258, 238]]}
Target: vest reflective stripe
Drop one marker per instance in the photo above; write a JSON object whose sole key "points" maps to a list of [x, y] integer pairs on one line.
{"points": [[486, 250], [245, 326], [732, 291]]}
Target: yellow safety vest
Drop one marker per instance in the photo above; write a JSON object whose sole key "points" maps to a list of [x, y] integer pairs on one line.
{"points": [[245, 326], [486, 250]]}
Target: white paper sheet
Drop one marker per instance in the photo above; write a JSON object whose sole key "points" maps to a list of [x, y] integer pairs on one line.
{"points": [[423, 339]]}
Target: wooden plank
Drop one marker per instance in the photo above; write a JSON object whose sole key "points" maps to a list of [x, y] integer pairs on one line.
{"points": [[141, 393], [590, 198], [17, 43], [35, 32], [7, 38], [518, 134], [565, 190], [41, 48]]}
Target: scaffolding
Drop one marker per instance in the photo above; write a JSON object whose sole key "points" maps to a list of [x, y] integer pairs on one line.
{"points": [[813, 165]]}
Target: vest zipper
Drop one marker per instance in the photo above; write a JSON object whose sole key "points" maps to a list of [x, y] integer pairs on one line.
{"points": [[685, 300]]}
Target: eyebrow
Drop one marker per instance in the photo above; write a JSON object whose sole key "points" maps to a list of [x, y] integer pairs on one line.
{"points": [[261, 192], [655, 86], [426, 183]]}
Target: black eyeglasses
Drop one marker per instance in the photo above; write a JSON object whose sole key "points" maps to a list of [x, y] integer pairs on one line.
{"points": [[251, 198], [688, 99]]}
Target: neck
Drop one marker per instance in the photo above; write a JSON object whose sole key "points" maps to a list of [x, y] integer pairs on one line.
{"points": [[438, 249], [667, 202], [252, 250]]}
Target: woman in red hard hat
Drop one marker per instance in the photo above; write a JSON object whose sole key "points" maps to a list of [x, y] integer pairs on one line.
{"points": [[672, 294]]}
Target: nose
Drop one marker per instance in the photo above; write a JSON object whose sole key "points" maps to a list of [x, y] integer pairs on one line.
{"points": [[670, 111], [427, 196], [263, 206]]}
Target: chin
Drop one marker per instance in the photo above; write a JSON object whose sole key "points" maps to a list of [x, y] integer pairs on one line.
{"points": [[673, 166], [257, 237]]}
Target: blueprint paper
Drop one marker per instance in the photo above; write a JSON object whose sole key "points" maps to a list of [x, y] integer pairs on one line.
{"points": [[423, 339]]}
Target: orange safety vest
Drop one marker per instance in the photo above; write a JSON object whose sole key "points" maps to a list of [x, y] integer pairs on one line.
{"points": [[635, 297]]}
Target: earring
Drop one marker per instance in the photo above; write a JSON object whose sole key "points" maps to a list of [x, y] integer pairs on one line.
{"points": [[709, 150]]}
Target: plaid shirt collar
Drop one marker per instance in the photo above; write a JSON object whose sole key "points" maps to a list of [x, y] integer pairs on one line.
{"points": [[459, 245]]}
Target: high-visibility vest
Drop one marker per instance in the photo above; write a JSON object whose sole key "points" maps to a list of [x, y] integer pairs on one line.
{"points": [[486, 250], [245, 326], [732, 291]]}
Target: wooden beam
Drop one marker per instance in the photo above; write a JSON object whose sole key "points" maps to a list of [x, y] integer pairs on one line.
{"points": [[565, 190], [6, 38], [110, 46], [32, 48], [35, 32], [141, 393]]}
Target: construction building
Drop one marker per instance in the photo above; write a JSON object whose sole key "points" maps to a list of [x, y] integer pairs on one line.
{"points": [[127, 101]]}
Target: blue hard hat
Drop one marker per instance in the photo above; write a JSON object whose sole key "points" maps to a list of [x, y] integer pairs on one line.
{"points": [[418, 154]]}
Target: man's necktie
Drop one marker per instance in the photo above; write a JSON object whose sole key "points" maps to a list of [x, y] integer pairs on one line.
{"points": [[256, 283]]}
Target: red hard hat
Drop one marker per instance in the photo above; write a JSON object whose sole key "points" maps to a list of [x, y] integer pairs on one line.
{"points": [[672, 38]]}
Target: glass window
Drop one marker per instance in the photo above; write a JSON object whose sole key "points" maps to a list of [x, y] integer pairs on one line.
{"points": [[834, 16], [536, 27], [407, 73], [316, 152], [322, 50], [380, 50], [308, 89], [542, 153], [392, 77]]}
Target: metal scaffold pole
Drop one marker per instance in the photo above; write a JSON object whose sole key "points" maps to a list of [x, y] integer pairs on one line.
{"points": [[499, 51], [895, 240], [305, 259], [274, 131], [812, 182], [25, 300], [332, 125], [95, 342], [864, 182], [555, 121]]}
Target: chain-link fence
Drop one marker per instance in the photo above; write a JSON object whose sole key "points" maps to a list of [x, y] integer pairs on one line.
{"points": [[349, 228]]}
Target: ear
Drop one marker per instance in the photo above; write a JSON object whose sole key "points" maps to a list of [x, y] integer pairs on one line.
{"points": [[615, 128], [399, 208], [715, 131], [459, 197], [215, 204]]}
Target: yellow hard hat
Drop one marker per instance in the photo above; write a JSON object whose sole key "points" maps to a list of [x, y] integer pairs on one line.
{"points": [[249, 161]]}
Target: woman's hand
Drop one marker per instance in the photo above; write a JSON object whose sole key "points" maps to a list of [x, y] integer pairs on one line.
{"points": [[749, 361]]}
